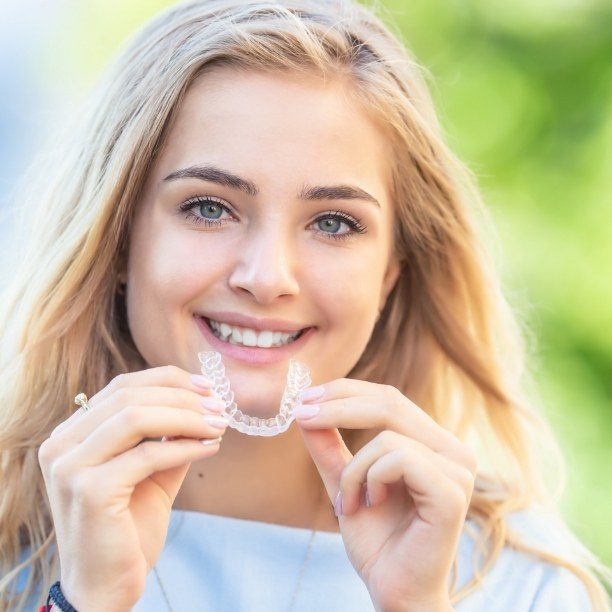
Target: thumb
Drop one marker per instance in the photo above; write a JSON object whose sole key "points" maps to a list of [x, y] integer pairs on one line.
{"points": [[330, 455], [171, 479]]}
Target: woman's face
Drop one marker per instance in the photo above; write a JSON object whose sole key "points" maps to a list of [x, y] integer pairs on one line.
{"points": [[279, 242]]}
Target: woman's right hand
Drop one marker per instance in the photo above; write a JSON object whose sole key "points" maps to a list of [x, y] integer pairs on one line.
{"points": [[111, 493]]}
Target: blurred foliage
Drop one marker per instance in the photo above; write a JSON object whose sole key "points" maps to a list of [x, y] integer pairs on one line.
{"points": [[524, 93]]}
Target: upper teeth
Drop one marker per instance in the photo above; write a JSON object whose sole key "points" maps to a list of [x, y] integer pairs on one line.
{"points": [[251, 337]]}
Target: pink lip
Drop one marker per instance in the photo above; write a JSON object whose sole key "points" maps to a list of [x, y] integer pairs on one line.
{"points": [[253, 355], [242, 320]]}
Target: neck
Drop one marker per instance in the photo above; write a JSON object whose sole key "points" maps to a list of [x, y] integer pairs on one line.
{"points": [[267, 479]]}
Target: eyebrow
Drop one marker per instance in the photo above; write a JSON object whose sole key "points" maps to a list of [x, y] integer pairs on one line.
{"points": [[214, 174]]}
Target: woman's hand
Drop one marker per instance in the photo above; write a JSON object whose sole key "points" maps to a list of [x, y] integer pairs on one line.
{"points": [[111, 493], [419, 479]]}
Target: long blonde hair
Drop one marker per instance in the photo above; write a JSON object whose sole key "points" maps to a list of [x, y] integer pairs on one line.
{"points": [[446, 337]]}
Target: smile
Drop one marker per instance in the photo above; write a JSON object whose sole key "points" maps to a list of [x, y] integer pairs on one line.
{"points": [[243, 336], [238, 347]]}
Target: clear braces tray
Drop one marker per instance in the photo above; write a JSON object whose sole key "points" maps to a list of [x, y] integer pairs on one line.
{"points": [[298, 378]]}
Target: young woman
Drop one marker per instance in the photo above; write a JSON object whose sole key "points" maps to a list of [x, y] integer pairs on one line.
{"points": [[269, 166]]}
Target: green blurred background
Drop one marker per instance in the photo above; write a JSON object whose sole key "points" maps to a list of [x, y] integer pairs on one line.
{"points": [[524, 92]]}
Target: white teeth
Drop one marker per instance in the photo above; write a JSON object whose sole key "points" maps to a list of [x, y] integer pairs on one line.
{"points": [[265, 339], [236, 335], [250, 337], [226, 330]]}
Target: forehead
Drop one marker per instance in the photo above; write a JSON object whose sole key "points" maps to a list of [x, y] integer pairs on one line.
{"points": [[297, 126]]}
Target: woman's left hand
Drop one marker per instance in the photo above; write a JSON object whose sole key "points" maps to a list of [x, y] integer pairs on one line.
{"points": [[419, 479]]}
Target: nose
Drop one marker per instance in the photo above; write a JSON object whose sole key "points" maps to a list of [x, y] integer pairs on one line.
{"points": [[265, 265]]}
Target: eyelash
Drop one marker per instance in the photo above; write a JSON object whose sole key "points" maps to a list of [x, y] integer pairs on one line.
{"points": [[354, 224]]}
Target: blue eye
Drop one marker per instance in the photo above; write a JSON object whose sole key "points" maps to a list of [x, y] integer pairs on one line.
{"points": [[211, 205], [205, 206]]}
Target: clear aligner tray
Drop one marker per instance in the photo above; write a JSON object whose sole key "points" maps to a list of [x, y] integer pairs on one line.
{"points": [[298, 378]]}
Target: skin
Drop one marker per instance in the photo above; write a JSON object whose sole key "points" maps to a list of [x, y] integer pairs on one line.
{"points": [[273, 256]]}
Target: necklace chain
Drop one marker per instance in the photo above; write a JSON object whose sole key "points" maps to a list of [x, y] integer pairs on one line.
{"points": [[299, 580], [161, 586], [297, 586], [295, 592]]}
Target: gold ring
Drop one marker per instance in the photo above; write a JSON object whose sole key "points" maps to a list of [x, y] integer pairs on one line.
{"points": [[81, 400]]}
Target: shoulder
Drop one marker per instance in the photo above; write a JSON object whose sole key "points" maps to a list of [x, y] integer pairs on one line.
{"points": [[559, 588], [520, 580]]}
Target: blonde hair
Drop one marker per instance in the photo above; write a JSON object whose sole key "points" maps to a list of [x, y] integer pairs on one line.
{"points": [[446, 337]]}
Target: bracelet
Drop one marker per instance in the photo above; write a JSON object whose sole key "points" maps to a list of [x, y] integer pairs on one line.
{"points": [[57, 597]]}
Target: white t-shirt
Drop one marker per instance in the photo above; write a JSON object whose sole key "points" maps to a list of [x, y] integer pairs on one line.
{"points": [[225, 564]]}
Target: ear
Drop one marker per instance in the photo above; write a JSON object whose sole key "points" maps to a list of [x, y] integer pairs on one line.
{"points": [[391, 275]]}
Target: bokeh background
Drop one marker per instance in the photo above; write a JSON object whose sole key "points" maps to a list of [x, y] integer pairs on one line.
{"points": [[524, 92]]}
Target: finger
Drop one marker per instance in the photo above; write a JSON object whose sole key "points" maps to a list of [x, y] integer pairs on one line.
{"points": [[163, 461], [78, 427], [345, 387], [329, 454], [353, 478], [164, 376], [357, 404], [131, 425], [438, 499], [354, 475]]}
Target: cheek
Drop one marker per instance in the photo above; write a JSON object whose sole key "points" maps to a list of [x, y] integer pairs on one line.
{"points": [[349, 288], [173, 267], [349, 316], [167, 273], [352, 276]]}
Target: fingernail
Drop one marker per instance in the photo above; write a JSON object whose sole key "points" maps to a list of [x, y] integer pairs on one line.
{"points": [[368, 503], [201, 381], [306, 412], [208, 441], [312, 393], [216, 421], [213, 404], [338, 504]]}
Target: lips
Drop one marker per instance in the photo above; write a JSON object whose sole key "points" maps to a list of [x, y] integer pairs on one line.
{"points": [[238, 319], [255, 354]]}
